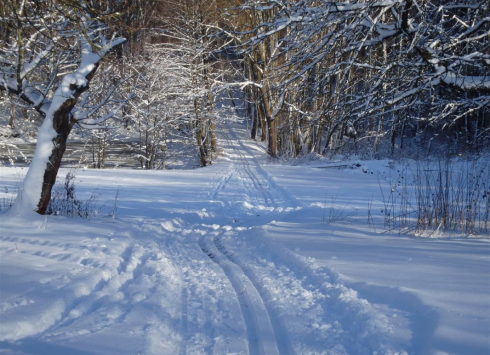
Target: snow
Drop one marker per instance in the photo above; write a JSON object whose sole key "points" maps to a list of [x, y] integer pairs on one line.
{"points": [[30, 66], [30, 191], [245, 256]]}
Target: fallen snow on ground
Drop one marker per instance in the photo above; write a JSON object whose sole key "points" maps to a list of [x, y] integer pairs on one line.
{"points": [[242, 257]]}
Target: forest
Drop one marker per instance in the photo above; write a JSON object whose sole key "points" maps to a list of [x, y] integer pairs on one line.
{"points": [[374, 79], [254, 177]]}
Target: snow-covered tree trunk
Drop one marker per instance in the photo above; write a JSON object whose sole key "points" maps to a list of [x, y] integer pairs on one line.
{"points": [[35, 193], [51, 143], [49, 40]]}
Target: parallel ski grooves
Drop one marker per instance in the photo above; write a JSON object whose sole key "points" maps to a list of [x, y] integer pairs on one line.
{"points": [[261, 336], [277, 321]]}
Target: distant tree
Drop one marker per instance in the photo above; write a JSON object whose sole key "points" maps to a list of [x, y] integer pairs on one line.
{"points": [[163, 101], [49, 52], [259, 85], [195, 32]]}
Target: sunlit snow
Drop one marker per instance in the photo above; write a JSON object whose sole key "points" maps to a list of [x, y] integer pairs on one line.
{"points": [[247, 256]]}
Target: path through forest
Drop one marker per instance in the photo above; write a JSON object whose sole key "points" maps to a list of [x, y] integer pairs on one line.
{"points": [[190, 266]]}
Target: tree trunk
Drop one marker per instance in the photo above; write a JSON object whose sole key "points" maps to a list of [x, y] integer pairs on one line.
{"points": [[271, 122], [255, 122], [13, 111], [272, 136], [212, 132], [394, 132], [263, 122], [272, 133], [62, 123], [200, 136], [201, 143], [51, 145]]}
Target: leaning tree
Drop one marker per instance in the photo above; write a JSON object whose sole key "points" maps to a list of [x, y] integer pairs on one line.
{"points": [[49, 52]]}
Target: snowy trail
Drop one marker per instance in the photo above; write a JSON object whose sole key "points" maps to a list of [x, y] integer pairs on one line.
{"points": [[259, 186], [265, 323], [195, 273], [261, 337], [272, 313], [198, 331], [276, 287]]}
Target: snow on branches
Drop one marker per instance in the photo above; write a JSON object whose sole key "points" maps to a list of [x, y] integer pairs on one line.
{"points": [[49, 53], [386, 60]]}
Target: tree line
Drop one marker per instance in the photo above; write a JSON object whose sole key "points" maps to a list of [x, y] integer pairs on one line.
{"points": [[376, 74]]}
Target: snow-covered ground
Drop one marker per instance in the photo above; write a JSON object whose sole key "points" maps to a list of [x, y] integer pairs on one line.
{"points": [[241, 257]]}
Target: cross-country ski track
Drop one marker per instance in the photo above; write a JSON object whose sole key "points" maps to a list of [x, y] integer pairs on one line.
{"points": [[194, 263]]}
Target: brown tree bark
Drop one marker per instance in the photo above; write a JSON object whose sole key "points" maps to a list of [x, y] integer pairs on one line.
{"points": [[63, 122]]}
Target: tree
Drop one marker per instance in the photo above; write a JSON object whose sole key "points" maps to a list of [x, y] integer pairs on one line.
{"points": [[258, 68], [49, 52], [367, 66], [193, 32], [163, 100]]}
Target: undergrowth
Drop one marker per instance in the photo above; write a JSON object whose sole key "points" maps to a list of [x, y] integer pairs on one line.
{"points": [[335, 212], [7, 201], [9, 194], [435, 197], [64, 201]]}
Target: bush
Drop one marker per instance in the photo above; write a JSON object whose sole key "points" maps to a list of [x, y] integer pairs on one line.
{"points": [[65, 203], [440, 196]]}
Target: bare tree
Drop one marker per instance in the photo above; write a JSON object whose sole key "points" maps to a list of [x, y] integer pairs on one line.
{"points": [[49, 53], [368, 66], [163, 102], [193, 30]]}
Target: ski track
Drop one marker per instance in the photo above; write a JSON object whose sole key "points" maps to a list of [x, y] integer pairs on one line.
{"points": [[71, 299], [251, 282], [273, 313], [221, 185], [289, 283], [87, 297], [129, 270], [206, 298], [263, 181], [266, 330], [261, 337], [195, 332]]}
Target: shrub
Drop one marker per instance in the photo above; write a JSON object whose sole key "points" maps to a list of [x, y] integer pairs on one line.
{"points": [[440, 196], [65, 203]]}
